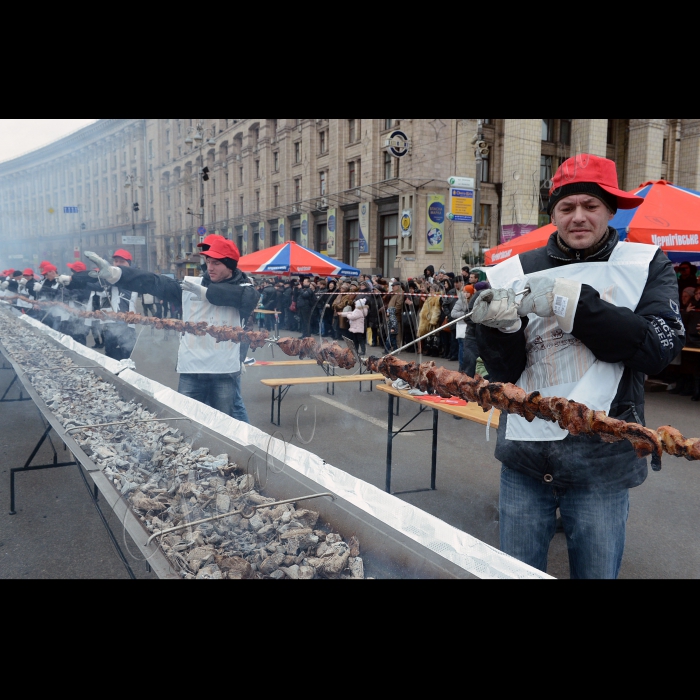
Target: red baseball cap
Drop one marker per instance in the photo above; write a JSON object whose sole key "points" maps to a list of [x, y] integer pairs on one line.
{"points": [[208, 240], [222, 248], [588, 174], [28, 272], [77, 267], [124, 254], [48, 268], [44, 264]]}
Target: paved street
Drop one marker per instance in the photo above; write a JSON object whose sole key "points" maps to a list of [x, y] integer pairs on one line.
{"points": [[58, 534]]}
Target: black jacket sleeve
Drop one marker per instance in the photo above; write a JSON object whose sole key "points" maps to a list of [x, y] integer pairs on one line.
{"points": [[159, 286], [243, 297], [646, 339]]}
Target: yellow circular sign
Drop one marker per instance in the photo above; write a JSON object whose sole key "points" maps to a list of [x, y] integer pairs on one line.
{"points": [[406, 222], [52, 211]]}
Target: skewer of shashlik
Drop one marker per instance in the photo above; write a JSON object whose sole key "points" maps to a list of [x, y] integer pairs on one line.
{"points": [[220, 333], [330, 353], [574, 417]]}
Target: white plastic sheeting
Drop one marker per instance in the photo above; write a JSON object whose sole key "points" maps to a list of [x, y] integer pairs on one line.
{"points": [[467, 552]]}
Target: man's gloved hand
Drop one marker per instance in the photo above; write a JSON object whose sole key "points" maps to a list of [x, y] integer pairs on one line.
{"points": [[197, 289], [4, 285], [64, 280], [496, 308], [23, 282], [552, 297], [107, 273]]}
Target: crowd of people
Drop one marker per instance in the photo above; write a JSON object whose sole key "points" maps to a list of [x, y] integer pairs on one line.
{"points": [[373, 311]]}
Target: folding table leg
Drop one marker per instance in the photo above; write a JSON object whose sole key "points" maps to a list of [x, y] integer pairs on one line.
{"points": [[389, 443], [433, 475]]}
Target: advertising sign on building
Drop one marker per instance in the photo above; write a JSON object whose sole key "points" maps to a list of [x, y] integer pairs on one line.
{"points": [[461, 205], [244, 231], [511, 231], [133, 240], [281, 231], [407, 223], [304, 230], [364, 228], [332, 223], [261, 234], [435, 242]]}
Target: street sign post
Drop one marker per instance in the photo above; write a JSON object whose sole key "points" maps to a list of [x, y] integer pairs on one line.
{"points": [[461, 205], [462, 182]]}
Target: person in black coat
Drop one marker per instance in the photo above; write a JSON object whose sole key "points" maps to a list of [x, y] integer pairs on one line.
{"points": [[306, 301]]}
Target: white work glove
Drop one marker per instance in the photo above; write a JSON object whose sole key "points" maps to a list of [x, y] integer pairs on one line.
{"points": [[548, 297], [4, 285], [497, 308], [197, 289], [23, 282], [64, 280], [107, 273]]}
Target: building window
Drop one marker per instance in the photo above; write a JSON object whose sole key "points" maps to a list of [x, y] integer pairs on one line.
{"points": [[297, 152], [323, 178], [296, 234], [388, 163], [390, 236], [297, 190], [664, 151], [257, 200], [486, 168], [257, 169], [545, 170], [611, 132], [484, 216], [352, 245], [321, 241], [276, 161], [388, 124], [565, 132], [322, 142], [548, 130], [256, 240], [352, 130], [352, 179], [240, 176], [276, 195]]}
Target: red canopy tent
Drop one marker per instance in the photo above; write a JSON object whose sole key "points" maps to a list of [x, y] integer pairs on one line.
{"points": [[530, 241], [669, 218]]}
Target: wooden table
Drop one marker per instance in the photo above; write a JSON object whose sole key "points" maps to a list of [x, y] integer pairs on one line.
{"points": [[472, 412], [691, 349], [280, 387], [284, 363]]}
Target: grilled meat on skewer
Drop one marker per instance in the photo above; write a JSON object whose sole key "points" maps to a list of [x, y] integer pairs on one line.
{"points": [[575, 417], [305, 348]]}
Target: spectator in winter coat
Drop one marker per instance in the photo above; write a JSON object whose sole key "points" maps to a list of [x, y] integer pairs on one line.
{"points": [[357, 325], [397, 302], [328, 314], [372, 301], [343, 301], [468, 348], [306, 301]]}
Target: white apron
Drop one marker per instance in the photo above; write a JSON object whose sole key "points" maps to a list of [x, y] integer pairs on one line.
{"points": [[558, 364], [115, 298], [23, 304], [202, 355]]}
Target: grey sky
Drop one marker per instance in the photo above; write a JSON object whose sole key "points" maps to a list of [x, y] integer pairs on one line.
{"points": [[18, 136]]}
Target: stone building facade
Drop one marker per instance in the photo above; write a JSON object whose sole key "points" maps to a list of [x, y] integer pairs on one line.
{"points": [[331, 184]]}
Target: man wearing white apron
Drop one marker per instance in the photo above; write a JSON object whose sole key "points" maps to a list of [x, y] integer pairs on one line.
{"points": [[224, 296], [599, 315]]}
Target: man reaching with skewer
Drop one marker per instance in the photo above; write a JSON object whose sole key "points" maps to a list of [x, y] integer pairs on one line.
{"points": [[224, 296], [597, 317]]}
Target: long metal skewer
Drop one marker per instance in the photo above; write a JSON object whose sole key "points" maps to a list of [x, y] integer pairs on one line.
{"points": [[442, 328], [240, 511]]}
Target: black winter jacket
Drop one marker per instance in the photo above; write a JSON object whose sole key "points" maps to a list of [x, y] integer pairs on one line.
{"points": [[269, 298], [645, 340], [306, 299]]}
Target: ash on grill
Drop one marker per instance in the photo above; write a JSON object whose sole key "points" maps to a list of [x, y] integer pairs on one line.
{"points": [[168, 483]]}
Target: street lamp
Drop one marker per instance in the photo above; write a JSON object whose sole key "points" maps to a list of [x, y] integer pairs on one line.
{"points": [[131, 183], [199, 136]]}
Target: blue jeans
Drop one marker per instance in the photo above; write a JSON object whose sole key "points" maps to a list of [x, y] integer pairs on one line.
{"points": [[220, 391], [468, 354], [594, 521]]}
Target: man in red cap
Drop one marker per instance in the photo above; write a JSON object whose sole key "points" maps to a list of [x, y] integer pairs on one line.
{"points": [[224, 296], [597, 316]]}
